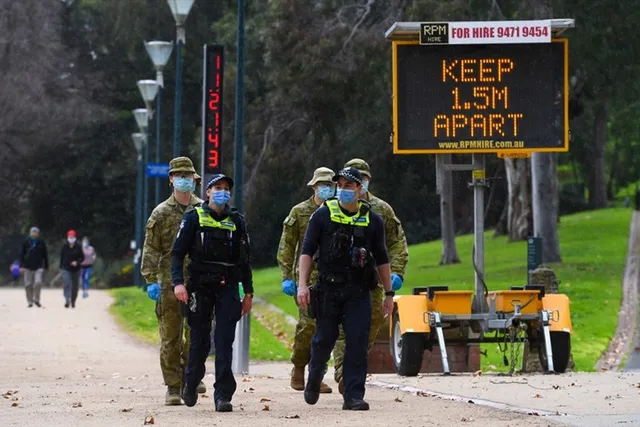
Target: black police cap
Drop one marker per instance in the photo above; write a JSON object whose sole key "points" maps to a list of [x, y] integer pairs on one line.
{"points": [[217, 177], [350, 174]]}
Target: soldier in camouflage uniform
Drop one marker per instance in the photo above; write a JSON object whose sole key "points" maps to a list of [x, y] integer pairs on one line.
{"points": [[398, 257], [161, 230], [293, 231]]}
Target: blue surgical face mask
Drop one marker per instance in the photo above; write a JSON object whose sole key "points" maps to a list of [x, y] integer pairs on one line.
{"points": [[346, 196], [220, 197], [365, 185], [183, 185], [325, 192]]}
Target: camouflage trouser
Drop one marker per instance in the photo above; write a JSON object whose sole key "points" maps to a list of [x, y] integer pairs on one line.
{"points": [[174, 345], [377, 320], [305, 328]]}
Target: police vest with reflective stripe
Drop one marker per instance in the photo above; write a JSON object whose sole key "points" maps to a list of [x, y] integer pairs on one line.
{"points": [[214, 241], [340, 217]]}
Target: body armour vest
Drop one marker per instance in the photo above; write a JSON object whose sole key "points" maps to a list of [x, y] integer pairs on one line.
{"points": [[343, 238], [215, 242]]}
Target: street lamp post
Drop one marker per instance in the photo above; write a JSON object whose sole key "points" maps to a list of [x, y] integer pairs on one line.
{"points": [[148, 90], [139, 142], [159, 52], [180, 10]]}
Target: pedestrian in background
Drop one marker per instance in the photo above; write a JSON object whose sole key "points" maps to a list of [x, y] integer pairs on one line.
{"points": [[33, 261], [90, 256], [71, 257]]}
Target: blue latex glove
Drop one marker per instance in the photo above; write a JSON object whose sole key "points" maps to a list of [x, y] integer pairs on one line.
{"points": [[153, 291], [289, 287], [396, 282]]}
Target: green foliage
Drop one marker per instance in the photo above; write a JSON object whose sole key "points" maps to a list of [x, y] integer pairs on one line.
{"points": [[134, 311], [593, 246]]}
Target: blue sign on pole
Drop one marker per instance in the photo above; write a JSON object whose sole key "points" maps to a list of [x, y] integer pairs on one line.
{"points": [[157, 170]]}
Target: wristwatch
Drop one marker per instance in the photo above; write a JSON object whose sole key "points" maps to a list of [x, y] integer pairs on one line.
{"points": [[390, 294]]}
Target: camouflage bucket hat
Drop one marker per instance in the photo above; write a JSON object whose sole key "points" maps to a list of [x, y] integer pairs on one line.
{"points": [[361, 165], [181, 164], [321, 174]]}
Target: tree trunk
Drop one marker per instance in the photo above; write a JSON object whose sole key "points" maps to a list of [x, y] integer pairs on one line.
{"points": [[447, 223], [519, 203], [544, 186], [597, 182]]}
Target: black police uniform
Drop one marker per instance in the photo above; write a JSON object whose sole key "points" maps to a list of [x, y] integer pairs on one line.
{"points": [[350, 247], [218, 247]]}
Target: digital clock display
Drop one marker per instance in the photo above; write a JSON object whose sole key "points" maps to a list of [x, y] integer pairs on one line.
{"points": [[480, 98], [212, 109]]}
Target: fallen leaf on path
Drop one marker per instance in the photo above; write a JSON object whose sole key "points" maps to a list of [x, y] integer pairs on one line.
{"points": [[29, 368], [538, 396], [9, 393], [422, 393], [205, 396], [292, 417], [637, 385], [149, 420], [266, 408], [477, 373], [87, 376], [14, 404], [126, 410], [466, 420], [555, 387], [604, 369], [537, 414], [265, 399], [76, 405], [246, 379], [397, 399]]}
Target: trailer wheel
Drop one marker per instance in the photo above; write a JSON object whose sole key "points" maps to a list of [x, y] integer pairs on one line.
{"points": [[560, 348], [407, 349]]}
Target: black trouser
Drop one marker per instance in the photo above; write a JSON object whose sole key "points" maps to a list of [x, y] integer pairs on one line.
{"points": [[226, 302], [350, 307]]}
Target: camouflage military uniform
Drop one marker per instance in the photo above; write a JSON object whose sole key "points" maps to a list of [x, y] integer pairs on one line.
{"points": [[293, 231], [398, 257], [161, 230]]}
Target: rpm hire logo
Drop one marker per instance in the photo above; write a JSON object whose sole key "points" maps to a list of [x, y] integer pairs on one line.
{"points": [[434, 33]]}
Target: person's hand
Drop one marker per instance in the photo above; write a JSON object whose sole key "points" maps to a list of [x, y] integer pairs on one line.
{"points": [[181, 294], [396, 282], [289, 287], [247, 303], [387, 306], [73, 263], [153, 291], [304, 296], [21, 270]]}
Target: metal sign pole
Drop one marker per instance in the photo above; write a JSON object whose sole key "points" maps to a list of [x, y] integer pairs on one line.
{"points": [[240, 363], [478, 226]]}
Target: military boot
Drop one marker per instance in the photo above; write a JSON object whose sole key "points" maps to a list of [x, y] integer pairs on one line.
{"points": [[172, 398], [325, 388], [297, 378]]}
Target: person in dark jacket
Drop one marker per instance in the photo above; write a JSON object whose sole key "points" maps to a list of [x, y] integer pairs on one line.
{"points": [[70, 259], [33, 261]]}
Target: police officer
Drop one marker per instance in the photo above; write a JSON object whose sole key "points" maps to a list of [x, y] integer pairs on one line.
{"points": [[216, 239], [349, 239], [293, 230], [398, 257], [161, 231]]}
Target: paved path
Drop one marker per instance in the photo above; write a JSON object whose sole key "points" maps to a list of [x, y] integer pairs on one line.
{"points": [[69, 367]]}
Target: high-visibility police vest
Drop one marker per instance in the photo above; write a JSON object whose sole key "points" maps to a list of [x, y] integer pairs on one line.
{"points": [[340, 217], [214, 241]]}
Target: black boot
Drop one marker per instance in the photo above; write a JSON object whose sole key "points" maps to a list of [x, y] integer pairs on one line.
{"points": [[223, 406], [355, 405], [312, 391], [189, 395]]}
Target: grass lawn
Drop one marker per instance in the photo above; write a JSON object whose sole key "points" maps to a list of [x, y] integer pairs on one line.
{"points": [[134, 311], [593, 246]]}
